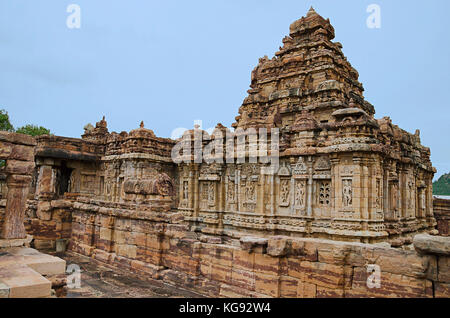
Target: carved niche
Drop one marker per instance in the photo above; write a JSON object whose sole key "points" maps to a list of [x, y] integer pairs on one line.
{"points": [[184, 174], [231, 185], [250, 192], [347, 193], [71, 186], [300, 194], [249, 185], [410, 192], [184, 202], [108, 187], [185, 190], [324, 193], [210, 176], [284, 175], [394, 198], [423, 199], [164, 185], [231, 190], [87, 182], [207, 194], [378, 194], [211, 194], [322, 176]]}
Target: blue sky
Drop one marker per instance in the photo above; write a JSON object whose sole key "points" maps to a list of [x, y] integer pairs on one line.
{"points": [[172, 62]]}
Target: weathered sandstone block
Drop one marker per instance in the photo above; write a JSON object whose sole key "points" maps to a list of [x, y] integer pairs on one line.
{"points": [[428, 244]]}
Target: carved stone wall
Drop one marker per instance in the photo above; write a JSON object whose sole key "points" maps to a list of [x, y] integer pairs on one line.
{"points": [[343, 174], [159, 245]]}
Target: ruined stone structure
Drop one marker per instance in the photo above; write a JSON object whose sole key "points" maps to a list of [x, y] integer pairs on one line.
{"points": [[441, 210], [242, 228], [18, 151], [24, 272]]}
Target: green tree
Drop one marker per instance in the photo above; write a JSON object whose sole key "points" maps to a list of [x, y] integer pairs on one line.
{"points": [[442, 186], [33, 130], [5, 124]]}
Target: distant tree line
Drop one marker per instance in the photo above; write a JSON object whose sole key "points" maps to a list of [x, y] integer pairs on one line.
{"points": [[32, 130], [442, 186]]}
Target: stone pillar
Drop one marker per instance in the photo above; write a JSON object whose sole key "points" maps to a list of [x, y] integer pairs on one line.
{"points": [[260, 208], [386, 192], [273, 200], [16, 200], [46, 184], [334, 186], [402, 193], [374, 190], [196, 191], [18, 150], [362, 186], [180, 186], [309, 190], [222, 198], [191, 185], [429, 212]]}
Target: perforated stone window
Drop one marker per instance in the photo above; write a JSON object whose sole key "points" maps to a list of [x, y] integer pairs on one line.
{"points": [[325, 193]]}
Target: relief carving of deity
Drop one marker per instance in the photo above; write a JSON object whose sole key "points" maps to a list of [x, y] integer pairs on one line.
{"points": [[185, 190], [377, 194], [285, 192], [299, 195], [164, 185], [231, 191], [108, 188], [410, 194], [347, 193], [423, 199], [394, 197], [250, 192], [211, 193], [71, 185]]}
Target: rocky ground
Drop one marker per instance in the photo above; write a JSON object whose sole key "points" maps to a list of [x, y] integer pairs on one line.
{"points": [[101, 282]]}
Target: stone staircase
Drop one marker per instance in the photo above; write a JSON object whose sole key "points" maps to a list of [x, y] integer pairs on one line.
{"points": [[23, 272]]}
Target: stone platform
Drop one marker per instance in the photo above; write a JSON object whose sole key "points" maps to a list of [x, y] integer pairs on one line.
{"points": [[23, 272], [16, 242]]}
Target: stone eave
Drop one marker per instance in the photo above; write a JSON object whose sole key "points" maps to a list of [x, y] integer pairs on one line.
{"points": [[66, 154]]}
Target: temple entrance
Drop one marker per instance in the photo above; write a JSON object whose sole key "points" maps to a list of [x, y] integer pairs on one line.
{"points": [[63, 179]]}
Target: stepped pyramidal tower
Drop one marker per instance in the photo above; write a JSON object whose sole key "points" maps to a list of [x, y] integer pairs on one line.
{"points": [[308, 78], [344, 174]]}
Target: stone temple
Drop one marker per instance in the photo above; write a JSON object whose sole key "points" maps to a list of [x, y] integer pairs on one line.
{"points": [[349, 190]]}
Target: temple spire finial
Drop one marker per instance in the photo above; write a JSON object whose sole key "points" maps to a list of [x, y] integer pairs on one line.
{"points": [[311, 12], [142, 124]]}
